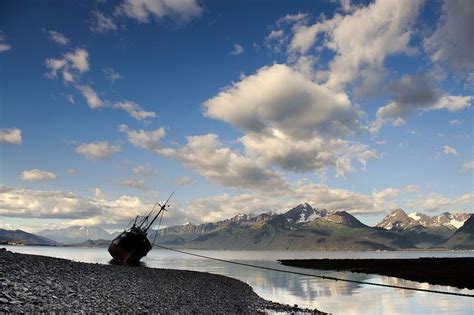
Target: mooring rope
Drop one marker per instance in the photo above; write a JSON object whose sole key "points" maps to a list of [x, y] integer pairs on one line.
{"points": [[317, 276]]}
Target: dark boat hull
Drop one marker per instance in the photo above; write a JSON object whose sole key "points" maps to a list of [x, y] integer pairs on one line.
{"points": [[129, 248]]}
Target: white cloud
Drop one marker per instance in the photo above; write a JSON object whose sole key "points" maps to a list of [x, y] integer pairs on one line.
{"points": [[383, 29], [145, 170], [452, 40], [291, 122], [436, 201], [10, 135], [207, 155], [101, 23], [3, 45], [37, 175], [78, 59], [183, 181], [99, 194], [97, 150], [219, 207], [468, 165], [132, 183], [72, 65], [150, 140], [27, 203], [112, 75], [135, 111], [412, 93], [279, 97], [142, 10], [91, 97], [58, 38], [275, 148], [449, 150], [238, 50]]}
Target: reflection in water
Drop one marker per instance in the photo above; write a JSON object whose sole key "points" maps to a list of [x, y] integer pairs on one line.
{"points": [[337, 297]]}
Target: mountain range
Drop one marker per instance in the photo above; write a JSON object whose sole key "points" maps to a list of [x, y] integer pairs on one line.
{"points": [[19, 237], [300, 228]]}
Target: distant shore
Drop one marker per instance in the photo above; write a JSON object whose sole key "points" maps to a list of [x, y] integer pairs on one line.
{"points": [[456, 272], [44, 284]]}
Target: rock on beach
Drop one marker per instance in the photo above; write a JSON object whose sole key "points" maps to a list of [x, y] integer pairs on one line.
{"points": [[30, 283]]}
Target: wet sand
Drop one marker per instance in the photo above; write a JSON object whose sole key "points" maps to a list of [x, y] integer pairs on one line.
{"points": [[456, 272]]}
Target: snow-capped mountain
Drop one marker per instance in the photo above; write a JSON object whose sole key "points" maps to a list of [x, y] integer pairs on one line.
{"points": [[75, 234], [398, 220], [304, 213]]}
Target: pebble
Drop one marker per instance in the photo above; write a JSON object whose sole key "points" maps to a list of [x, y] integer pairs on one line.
{"points": [[37, 284]]}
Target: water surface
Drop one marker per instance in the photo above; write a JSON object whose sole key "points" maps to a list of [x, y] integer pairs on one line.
{"points": [[337, 297]]}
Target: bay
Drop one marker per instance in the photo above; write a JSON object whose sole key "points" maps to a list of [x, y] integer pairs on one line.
{"points": [[337, 297]]}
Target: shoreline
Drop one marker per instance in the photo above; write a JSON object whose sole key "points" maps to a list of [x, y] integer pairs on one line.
{"points": [[32, 283], [456, 272]]}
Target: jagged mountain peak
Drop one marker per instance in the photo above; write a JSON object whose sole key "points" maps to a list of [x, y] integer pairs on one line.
{"points": [[398, 220], [343, 217]]}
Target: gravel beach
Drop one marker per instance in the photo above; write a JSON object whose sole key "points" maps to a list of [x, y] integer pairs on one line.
{"points": [[32, 283]]}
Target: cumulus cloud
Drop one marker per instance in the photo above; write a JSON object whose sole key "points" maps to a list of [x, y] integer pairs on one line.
{"points": [[412, 93], [58, 37], [150, 140], [452, 42], [71, 65], [291, 122], [145, 170], [91, 97], [207, 155], [36, 175], [132, 183], [436, 201], [3, 43], [275, 148], [384, 28], [143, 10], [219, 207], [279, 97], [10, 136], [238, 50], [102, 23], [468, 165], [449, 150], [135, 111], [97, 150]]}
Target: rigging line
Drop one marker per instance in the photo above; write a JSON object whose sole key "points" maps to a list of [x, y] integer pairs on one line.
{"points": [[317, 276], [156, 231]]}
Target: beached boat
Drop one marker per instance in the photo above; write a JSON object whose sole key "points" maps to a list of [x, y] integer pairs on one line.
{"points": [[133, 243]]}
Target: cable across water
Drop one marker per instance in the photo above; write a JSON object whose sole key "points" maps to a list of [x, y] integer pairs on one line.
{"points": [[315, 275]]}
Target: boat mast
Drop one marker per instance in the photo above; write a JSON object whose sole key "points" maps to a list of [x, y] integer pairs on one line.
{"points": [[162, 208]]}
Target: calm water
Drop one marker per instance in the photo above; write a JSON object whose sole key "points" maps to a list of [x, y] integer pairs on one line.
{"points": [[330, 296]]}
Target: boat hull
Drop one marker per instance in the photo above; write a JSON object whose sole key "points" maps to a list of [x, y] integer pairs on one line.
{"points": [[129, 248]]}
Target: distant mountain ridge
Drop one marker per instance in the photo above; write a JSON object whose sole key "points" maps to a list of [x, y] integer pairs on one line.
{"points": [[300, 228], [19, 237], [399, 220], [423, 230], [76, 234], [463, 238]]}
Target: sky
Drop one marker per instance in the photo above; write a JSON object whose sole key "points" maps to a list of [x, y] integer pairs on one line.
{"points": [[238, 106]]}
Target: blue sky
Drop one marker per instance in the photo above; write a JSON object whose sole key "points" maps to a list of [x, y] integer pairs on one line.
{"points": [[241, 107]]}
